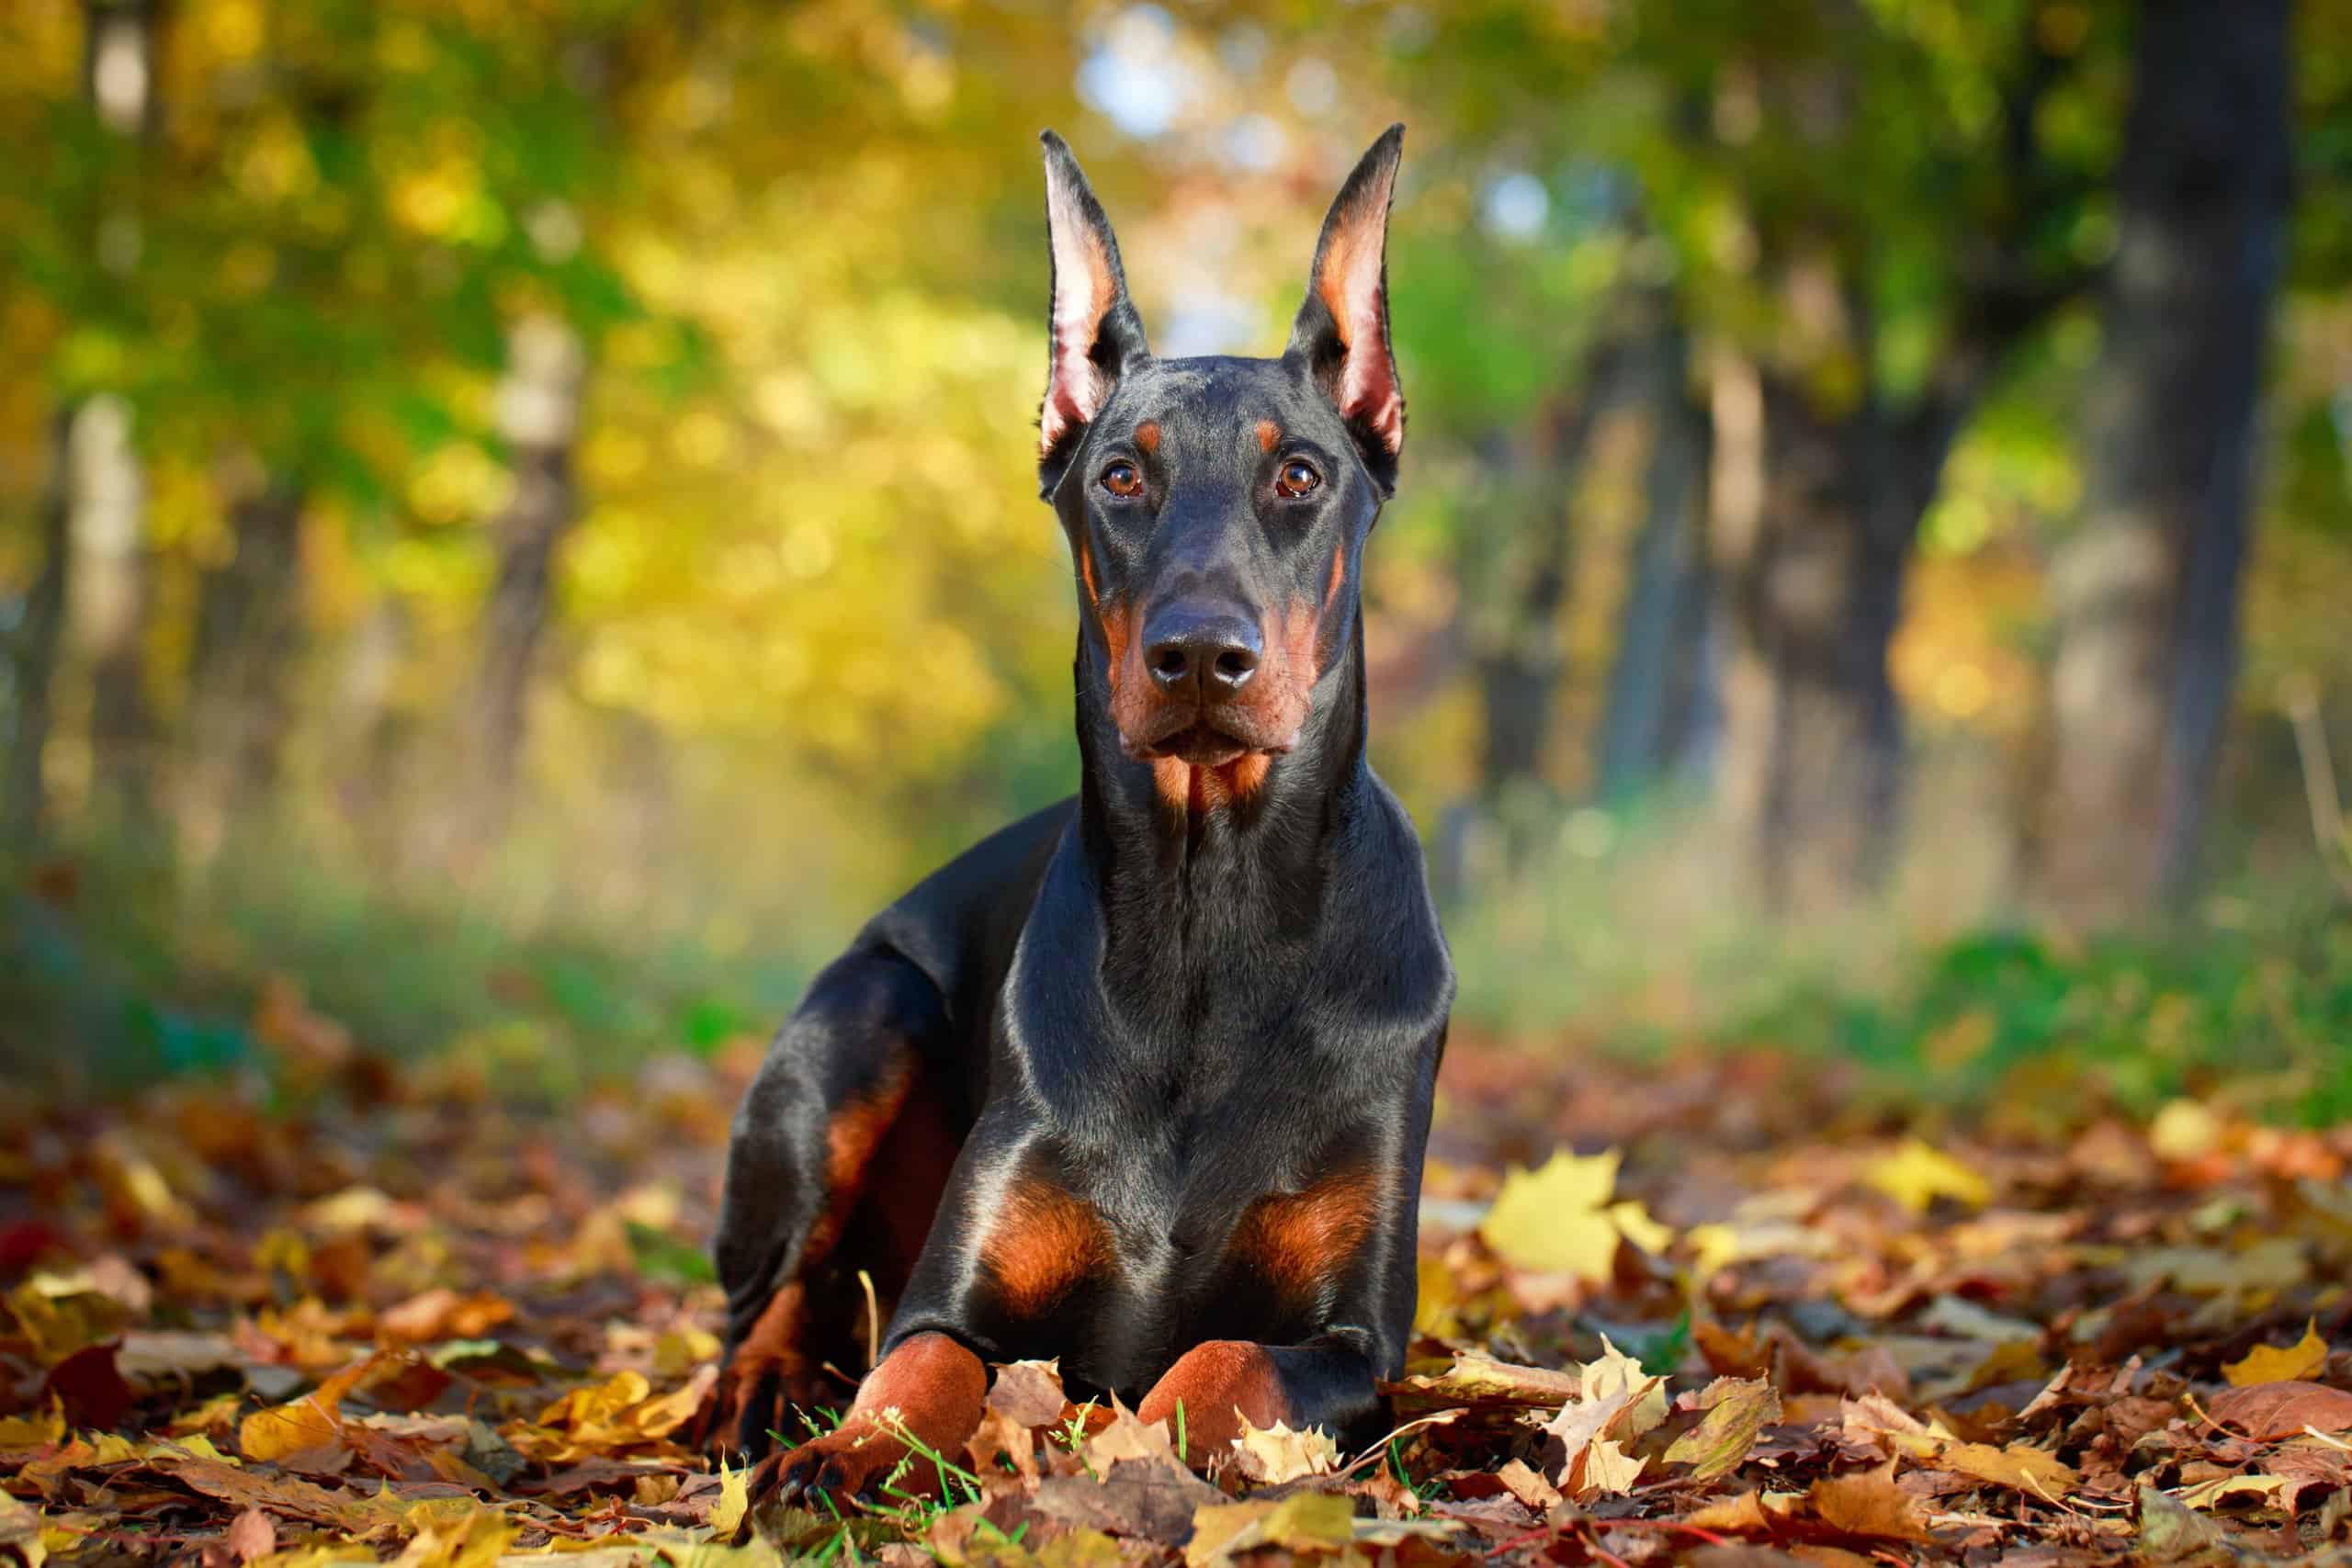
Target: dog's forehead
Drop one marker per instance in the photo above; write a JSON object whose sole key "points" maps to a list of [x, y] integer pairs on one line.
{"points": [[1211, 400]]}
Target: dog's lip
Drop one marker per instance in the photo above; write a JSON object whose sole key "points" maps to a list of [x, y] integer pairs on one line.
{"points": [[1188, 737]]}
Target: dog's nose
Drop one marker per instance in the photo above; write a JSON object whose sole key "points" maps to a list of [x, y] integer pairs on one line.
{"points": [[1213, 652]]}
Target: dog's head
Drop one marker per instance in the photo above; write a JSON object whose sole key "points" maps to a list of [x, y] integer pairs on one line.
{"points": [[1217, 507]]}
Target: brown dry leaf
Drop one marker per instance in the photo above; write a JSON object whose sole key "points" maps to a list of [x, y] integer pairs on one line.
{"points": [[1140, 1500], [1737, 1409], [1523, 1482], [2170, 1532], [998, 1442], [252, 1535], [2021, 1469], [1868, 1505], [1275, 1454], [1029, 1391], [2298, 1362], [2269, 1411]]}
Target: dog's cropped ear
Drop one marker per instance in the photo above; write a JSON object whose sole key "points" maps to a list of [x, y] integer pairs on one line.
{"points": [[1342, 329], [1096, 333]]}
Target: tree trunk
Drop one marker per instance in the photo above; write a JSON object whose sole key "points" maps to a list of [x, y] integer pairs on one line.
{"points": [[89, 614], [2146, 596], [41, 639], [1662, 687], [248, 637], [1815, 517], [539, 416], [107, 604]]}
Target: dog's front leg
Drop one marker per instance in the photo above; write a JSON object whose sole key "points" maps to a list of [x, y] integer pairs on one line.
{"points": [[1326, 1382]]}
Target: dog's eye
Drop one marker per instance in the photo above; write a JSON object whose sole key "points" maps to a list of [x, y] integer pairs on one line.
{"points": [[1121, 478], [1297, 478]]}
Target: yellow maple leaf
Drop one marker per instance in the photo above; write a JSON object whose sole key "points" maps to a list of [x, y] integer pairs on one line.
{"points": [[1560, 1218], [2298, 1362], [734, 1501], [1918, 1173]]}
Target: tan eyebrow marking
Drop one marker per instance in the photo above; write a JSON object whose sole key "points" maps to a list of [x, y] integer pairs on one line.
{"points": [[1147, 435], [1270, 435]]}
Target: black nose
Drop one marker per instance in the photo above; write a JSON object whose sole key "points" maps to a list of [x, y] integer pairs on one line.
{"points": [[1213, 651]]}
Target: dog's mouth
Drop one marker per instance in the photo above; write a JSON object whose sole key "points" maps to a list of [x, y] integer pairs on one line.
{"points": [[1184, 735]]}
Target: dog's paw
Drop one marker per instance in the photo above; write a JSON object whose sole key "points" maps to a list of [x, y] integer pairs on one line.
{"points": [[848, 1467]]}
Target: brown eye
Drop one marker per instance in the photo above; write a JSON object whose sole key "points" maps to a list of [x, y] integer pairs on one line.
{"points": [[1297, 478], [1123, 478]]}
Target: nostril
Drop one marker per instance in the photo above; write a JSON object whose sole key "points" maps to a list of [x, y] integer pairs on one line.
{"points": [[1235, 665], [1170, 663]]}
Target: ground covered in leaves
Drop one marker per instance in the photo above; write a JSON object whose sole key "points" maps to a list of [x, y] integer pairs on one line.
{"points": [[1728, 1309]]}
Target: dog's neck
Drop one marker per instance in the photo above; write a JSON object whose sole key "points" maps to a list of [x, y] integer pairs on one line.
{"points": [[1253, 835]]}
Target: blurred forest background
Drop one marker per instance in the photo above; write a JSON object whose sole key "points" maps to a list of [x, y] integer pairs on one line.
{"points": [[517, 528]]}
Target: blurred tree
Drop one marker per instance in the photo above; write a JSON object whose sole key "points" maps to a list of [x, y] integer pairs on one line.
{"points": [[1860, 333], [538, 416], [87, 614], [2146, 594], [1662, 700]]}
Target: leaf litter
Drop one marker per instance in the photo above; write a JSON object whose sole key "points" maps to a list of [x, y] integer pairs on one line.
{"points": [[1668, 1313]]}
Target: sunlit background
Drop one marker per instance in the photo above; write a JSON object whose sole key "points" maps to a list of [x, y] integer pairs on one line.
{"points": [[519, 532]]}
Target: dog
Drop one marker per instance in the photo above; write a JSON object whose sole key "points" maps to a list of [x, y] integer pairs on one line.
{"points": [[1142, 1082]]}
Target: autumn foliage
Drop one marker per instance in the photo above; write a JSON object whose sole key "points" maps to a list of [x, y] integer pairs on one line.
{"points": [[385, 1315]]}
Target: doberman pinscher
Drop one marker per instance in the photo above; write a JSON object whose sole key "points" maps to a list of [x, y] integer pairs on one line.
{"points": [[1141, 1082]]}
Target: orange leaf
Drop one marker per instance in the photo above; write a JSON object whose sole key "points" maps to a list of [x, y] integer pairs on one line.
{"points": [[2273, 1410], [1868, 1505]]}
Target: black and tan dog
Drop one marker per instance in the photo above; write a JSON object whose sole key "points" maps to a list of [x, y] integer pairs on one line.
{"points": [[1141, 1082]]}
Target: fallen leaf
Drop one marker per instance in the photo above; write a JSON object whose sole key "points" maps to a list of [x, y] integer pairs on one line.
{"points": [[1304, 1521], [2298, 1362], [1275, 1454], [2222, 1488], [20, 1531], [1868, 1505], [2021, 1469], [1475, 1379], [1607, 1471], [2170, 1532], [2269, 1411], [1917, 1173], [1737, 1409], [1559, 1218], [309, 1426], [1618, 1400], [1526, 1483], [1029, 1391], [252, 1535], [1125, 1437], [734, 1501], [443, 1314]]}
